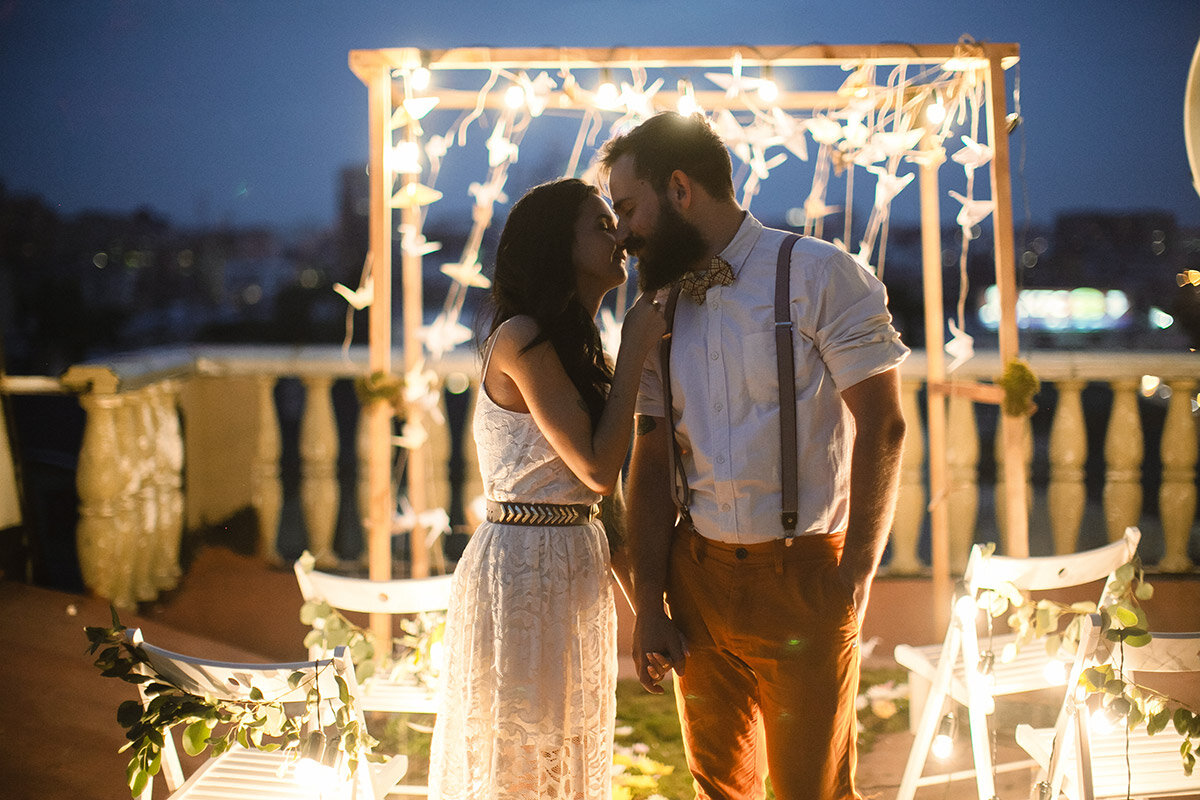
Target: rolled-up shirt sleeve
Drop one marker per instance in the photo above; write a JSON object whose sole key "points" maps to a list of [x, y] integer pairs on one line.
{"points": [[851, 326], [650, 390]]}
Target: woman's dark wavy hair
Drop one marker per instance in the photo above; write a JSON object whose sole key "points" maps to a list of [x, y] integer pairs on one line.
{"points": [[535, 276]]}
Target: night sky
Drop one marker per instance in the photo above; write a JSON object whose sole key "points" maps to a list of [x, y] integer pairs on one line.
{"points": [[245, 111]]}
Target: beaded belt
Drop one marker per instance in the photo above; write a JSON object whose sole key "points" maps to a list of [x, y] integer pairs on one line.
{"points": [[541, 513]]}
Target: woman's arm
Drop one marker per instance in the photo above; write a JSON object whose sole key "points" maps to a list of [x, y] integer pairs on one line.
{"points": [[596, 454]]}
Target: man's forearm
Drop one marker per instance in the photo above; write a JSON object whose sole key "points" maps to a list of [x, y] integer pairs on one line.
{"points": [[651, 513]]}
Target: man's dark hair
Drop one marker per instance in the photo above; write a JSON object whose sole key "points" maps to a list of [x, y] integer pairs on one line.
{"points": [[667, 142]]}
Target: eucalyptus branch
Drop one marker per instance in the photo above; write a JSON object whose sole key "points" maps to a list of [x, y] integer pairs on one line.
{"points": [[1059, 626], [410, 656], [258, 723]]}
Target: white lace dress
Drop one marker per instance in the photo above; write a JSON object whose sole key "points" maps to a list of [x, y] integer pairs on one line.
{"points": [[529, 699]]}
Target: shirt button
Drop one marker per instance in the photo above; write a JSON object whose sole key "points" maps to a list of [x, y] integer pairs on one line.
{"points": [[720, 459], [725, 506], [716, 356], [741, 553], [717, 406]]}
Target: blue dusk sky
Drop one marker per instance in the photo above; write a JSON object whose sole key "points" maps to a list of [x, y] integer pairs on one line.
{"points": [[246, 110]]}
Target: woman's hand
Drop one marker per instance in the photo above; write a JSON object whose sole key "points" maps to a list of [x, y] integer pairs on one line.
{"points": [[644, 325]]}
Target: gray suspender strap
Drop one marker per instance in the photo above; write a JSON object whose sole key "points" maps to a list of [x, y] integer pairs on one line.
{"points": [[784, 359], [679, 486]]}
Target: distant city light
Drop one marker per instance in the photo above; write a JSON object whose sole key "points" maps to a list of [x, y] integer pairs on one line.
{"points": [[100, 260], [796, 217], [309, 278], [1160, 319], [1081, 309]]}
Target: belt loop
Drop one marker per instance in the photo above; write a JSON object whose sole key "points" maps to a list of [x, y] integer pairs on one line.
{"points": [[779, 545]]}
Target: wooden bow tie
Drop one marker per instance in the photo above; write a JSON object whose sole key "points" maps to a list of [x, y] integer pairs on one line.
{"points": [[696, 284]]}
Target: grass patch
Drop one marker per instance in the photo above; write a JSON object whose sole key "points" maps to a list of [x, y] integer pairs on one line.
{"points": [[648, 728]]}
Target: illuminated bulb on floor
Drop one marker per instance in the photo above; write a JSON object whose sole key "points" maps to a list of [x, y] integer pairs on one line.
{"points": [[317, 766], [942, 746], [1055, 671], [1102, 722]]}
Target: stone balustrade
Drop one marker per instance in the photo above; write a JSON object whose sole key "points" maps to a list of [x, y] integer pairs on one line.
{"points": [[136, 456]]}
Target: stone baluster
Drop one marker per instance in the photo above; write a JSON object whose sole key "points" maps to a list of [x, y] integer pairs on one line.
{"points": [[104, 479], [1066, 494], [1123, 451], [318, 469], [910, 504], [962, 468], [266, 487], [1177, 494], [144, 500], [168, 483], [1026, 438]]}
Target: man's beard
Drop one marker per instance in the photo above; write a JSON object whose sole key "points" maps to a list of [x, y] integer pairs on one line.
{"points": [[671, 249]]}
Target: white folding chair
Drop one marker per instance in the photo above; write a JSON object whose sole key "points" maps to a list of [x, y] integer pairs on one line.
{"points": [[394, 692], [1115, 762], [951, 671], [252, 773]]}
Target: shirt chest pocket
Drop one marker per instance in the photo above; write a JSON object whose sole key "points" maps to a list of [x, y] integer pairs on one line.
{"points": [[762, 370], [758, 362]]}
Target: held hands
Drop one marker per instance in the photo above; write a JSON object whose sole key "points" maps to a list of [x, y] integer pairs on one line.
{"points": [[658, 648]]}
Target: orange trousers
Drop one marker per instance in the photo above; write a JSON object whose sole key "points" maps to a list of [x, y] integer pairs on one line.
{"points": [[772, 639]]}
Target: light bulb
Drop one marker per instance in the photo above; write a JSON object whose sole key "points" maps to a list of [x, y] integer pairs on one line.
{"points": [[1055, 672], [514, 97], [942, 745], [607, 95], [686, 105], [318, 765], [935, 112], [768, 91], [405, 158], [1101, 722], [419, 80]]}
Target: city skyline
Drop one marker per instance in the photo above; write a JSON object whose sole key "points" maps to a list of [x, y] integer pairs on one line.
{"points": [[247, 112]]}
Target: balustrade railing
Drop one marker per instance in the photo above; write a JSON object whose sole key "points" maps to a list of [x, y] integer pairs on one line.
{"points": [[1085, 450]]}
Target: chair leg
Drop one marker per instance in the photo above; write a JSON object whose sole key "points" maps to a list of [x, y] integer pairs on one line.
{"points": [[931, 714]]}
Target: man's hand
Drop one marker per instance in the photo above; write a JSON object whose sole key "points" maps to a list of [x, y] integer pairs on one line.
{"points": [[658, 648]]}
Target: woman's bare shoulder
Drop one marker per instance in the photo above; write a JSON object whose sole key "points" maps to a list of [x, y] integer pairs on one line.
{"points": [[515, 333]]}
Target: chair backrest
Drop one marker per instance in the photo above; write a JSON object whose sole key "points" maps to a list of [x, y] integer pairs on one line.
{"points": [[1118, 763], [397, 596], [1039, 573], [231, 681]]}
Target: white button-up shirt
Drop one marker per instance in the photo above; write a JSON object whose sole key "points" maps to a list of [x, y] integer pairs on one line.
{"points": [[724, 385]]}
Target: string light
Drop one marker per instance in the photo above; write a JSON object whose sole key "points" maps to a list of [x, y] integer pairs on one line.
{"points": [[607, 94], [1055, 671], [687, 105], [942, 746], [768, 89], [420, 78], [514, 97], [935, 112]]}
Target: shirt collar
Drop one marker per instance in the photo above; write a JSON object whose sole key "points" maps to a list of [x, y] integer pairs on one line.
{"points": [[737, 252]]}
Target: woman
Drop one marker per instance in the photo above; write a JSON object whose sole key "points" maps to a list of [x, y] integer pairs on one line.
{"points": [[528, 704]]}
